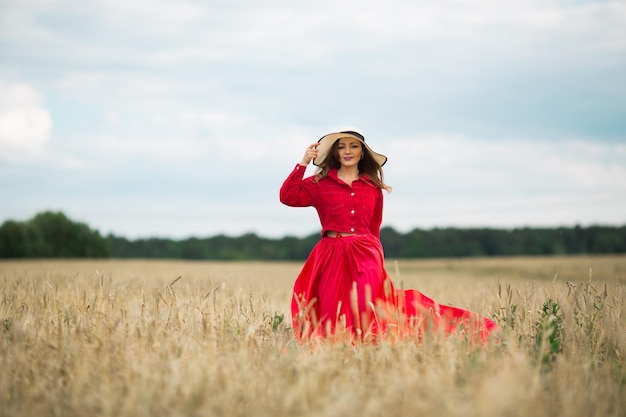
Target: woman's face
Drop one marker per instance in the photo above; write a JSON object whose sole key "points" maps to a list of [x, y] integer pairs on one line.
{"points": [[349, 151]]}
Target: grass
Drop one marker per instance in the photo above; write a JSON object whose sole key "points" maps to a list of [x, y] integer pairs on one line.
{"points": [[138, 338]]}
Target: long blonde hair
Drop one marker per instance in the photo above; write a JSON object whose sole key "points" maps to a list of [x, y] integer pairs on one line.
{"points": [[367, 165]]}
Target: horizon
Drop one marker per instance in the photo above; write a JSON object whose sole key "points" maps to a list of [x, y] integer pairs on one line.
{"points": [[313, 233]]}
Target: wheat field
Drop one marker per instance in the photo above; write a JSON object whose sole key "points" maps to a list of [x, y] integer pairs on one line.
{"points": [[165, 338]]}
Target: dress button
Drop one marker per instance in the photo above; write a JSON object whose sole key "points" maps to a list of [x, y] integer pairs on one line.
{"points": [[352, 194], [352, 212], [352, 229]]}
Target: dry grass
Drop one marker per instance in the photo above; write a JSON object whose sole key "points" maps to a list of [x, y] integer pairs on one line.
{"points": [[132, 338]]}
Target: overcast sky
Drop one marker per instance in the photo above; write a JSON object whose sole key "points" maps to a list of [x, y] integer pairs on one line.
{"points": [[178, 118]]}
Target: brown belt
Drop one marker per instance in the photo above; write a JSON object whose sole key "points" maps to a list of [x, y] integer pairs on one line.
{"points": [[332, 233]]}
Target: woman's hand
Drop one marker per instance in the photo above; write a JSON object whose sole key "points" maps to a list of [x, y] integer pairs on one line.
{"points": [[309, 155]]}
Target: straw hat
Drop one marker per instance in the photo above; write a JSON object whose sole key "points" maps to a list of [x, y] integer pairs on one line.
{"points": [[326, 142]]}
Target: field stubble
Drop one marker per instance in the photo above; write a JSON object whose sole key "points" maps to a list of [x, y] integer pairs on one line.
{"points": [[151, 338]]}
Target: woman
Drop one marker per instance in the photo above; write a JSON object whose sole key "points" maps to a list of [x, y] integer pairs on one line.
{"points": [[343, 290]]}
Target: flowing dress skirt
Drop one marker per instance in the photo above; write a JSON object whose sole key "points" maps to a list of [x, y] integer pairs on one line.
{"points": [[344, 292]]}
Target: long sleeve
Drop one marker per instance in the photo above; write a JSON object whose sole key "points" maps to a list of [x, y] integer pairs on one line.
{"points": [[377, 216], [296, 191]]}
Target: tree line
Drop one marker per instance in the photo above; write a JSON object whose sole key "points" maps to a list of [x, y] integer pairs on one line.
{"points": [[53, 235]]}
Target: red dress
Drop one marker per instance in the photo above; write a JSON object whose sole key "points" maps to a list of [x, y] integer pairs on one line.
{"points": [[343, 290]]}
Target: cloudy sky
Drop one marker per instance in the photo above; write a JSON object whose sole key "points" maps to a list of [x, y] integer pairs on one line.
{"points": [[178, 118]]}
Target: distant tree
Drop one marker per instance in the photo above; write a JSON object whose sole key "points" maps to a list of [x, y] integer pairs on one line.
{"points": [[19, 240], [51, 235], [392, 241], [418, 243], [193, 248], [605, 240]]}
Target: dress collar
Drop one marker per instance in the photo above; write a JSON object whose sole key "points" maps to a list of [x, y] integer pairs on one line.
{"points": [[363, 177]]}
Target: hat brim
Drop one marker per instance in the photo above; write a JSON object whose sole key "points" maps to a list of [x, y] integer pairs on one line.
{"points": [[325, 144]]}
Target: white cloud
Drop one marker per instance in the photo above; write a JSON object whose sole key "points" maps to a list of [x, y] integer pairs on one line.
{"points": [[25, 124], [511, 165], [461, 181]]}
